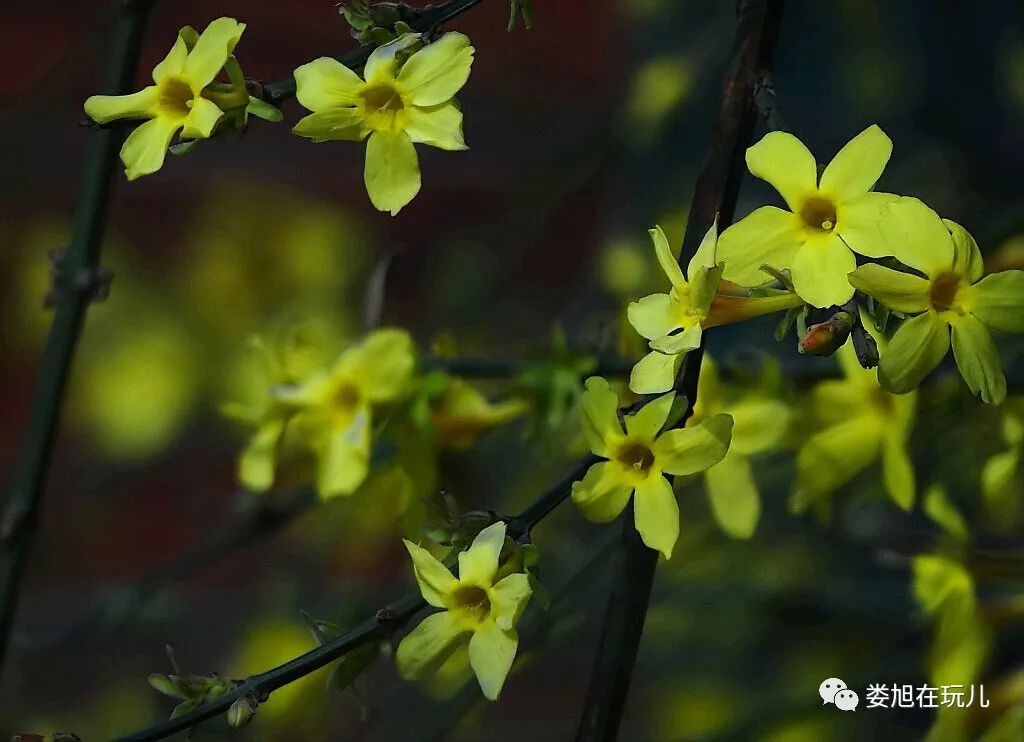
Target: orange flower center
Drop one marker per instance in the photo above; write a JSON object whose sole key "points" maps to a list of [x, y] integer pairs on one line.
{"points": [[944, 290], [636, 456], [473, 600], [819, 213], [175, 97]]}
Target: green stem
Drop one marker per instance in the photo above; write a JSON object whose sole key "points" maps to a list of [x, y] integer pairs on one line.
{"points": [[715, 193], [74, 292]]}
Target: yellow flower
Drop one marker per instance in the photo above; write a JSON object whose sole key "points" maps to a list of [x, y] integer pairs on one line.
{"points": [[759, 424], [674, 322], [860, 423], [1002, 477], [332, 409], [394, 107], [827, 219], [950, 299], [639, 459], [476, 607], [177, 102], [463, 414]]}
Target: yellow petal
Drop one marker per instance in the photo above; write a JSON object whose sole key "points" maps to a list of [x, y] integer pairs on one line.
{"points": [[767, 236], [858, 165], [599, 415], [998, 301], [326, 84], [435, 580], [978, 360], [208, 56], [857, 222], [174, 63], [1001, 480], [439, 126], [704, 284], [655, 373], [491, 653], [345, 458], [666, 258], [938, 507], [426, 647], [648, 421], [654, 315], [832, 457], [338, 124], [382, 364], [732, 492], [601, 495], [479, 563], [256, 465], [900, 291], [758, 424], [145, 148], [201, 119], [105, 108], [782, 160], [656, 514], [694, 449], [915, 349], [392, 172], [508, 599], [820, 271], [898, 472], [916, 236], [681, 342], [434, 74], [967, 260], [380, 66], [707, 252]]}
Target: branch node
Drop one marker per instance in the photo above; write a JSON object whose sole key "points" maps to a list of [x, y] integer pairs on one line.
{"points": [[93, 283]]}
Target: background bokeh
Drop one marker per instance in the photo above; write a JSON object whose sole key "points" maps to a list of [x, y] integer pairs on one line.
{"points": [[584, 132]]}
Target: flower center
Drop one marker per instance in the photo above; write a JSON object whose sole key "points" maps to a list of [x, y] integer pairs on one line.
{"points": [[943, 291], [175, 97], [346, 398], [819, 213], [383, 104], [473, 600], [636, 456]]}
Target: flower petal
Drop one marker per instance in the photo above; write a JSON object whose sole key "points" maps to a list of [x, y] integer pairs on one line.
{"points": [[439, 126], [601, 495], [978, 360], [479, 563], [380, 66], [759, 424], [654, 315], [967, 260], [426, 647], [345, 459], [783, 160], [508, 599], [382, 364], [858, 165], [820, 271], [599, 407], [656, 514], [337, 124], [732, 492], [998, 301], [434, 74], [105, 108], [916, 236], [681, 342], [666, 258], [145, 148], [435, 580], [256, 465], [857, 222], [900, 291], [832, 457], [696, 448], [898, 472], [326, 84], [704, 284], [706, 255], [491, 653], [174, 63], [392, 172], [648, 421], [768, 235], [655, 373], [201, 119], [208, 56], [914, 351]]}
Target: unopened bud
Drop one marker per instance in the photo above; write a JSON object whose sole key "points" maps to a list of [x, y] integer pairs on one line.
{"points": [[827, 337], [241, 712]]}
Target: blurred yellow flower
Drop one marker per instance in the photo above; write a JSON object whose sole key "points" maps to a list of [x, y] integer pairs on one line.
{"points": [[394, 107], [177, 102], [463, 414], [476, 607], [858, 423], [759, 424], [1002, 477], [953, 298], [639, 459], [828, 220]]}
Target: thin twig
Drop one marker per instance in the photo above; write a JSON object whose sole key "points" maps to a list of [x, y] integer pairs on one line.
{"points": [[715, 193], [75, 282]]}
